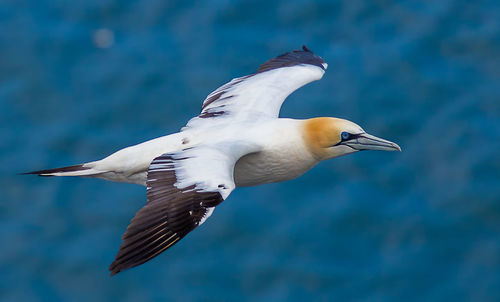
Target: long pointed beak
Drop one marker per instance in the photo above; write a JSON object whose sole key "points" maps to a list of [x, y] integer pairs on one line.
{"points": [[366, 141]]}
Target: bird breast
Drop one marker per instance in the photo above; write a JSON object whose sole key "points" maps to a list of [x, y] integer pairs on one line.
{"points": [[282, 159]]}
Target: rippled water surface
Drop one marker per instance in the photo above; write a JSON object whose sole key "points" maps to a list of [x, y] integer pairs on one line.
{"points": [[81, 79]]}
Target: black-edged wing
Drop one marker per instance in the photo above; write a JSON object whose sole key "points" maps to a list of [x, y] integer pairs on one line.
{"points": [[183, 188], [261, 94]]}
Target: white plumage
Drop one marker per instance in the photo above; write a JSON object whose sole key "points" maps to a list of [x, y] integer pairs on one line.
{"points": [[237, 140]]}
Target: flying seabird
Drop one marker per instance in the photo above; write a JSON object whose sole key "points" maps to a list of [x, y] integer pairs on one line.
{"points": [[237, 140]]}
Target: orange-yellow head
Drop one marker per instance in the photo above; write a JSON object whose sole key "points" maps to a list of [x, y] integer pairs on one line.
{"points": [[328, 137]]}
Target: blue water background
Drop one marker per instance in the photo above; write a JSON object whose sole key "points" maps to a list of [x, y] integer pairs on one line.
{"points": [[421, 225]]}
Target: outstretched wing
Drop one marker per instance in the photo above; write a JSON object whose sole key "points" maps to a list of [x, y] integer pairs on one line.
{"points": [[183, 188], [262, 93]]}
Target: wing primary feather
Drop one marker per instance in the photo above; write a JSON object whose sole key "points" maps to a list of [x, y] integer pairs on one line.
{"points": [[169, 215], [176, 205], [260, 94], [296, 57]]}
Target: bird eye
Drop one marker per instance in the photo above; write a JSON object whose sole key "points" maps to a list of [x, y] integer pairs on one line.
{"points": [[345, 135]]}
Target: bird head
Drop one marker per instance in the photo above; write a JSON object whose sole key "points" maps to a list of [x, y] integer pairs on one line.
{"points": [[329, 137]]}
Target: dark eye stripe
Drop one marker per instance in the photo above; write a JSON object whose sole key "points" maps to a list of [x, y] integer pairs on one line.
{"points": [[354, 136], [349, 137]]}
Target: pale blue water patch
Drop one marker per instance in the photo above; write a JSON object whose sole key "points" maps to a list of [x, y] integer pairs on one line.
{"points": [[421, 225]]}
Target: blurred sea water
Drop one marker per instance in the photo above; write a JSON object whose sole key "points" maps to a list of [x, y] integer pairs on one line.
{"points": [[82, 79]]}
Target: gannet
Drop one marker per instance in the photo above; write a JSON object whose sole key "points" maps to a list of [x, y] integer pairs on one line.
{"points": [[237, 140]]}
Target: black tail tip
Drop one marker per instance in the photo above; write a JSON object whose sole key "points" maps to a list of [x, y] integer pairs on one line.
{"points": [[57, 170], [34, 173]]}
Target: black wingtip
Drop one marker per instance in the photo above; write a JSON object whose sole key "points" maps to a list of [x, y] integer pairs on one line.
{"points": [[57, 170], [296, 57], [116, 267], [113, 270], [305, 48]]}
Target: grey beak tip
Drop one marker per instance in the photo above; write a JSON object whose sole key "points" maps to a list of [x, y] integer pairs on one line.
{"points": [[367, 141]]}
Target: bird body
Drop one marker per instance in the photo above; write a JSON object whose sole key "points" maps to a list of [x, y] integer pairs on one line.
{"points": [[237, 140], [281, 153]]}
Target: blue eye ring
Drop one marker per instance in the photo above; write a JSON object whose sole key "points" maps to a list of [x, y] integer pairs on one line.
{"points": [[345, 135]]}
